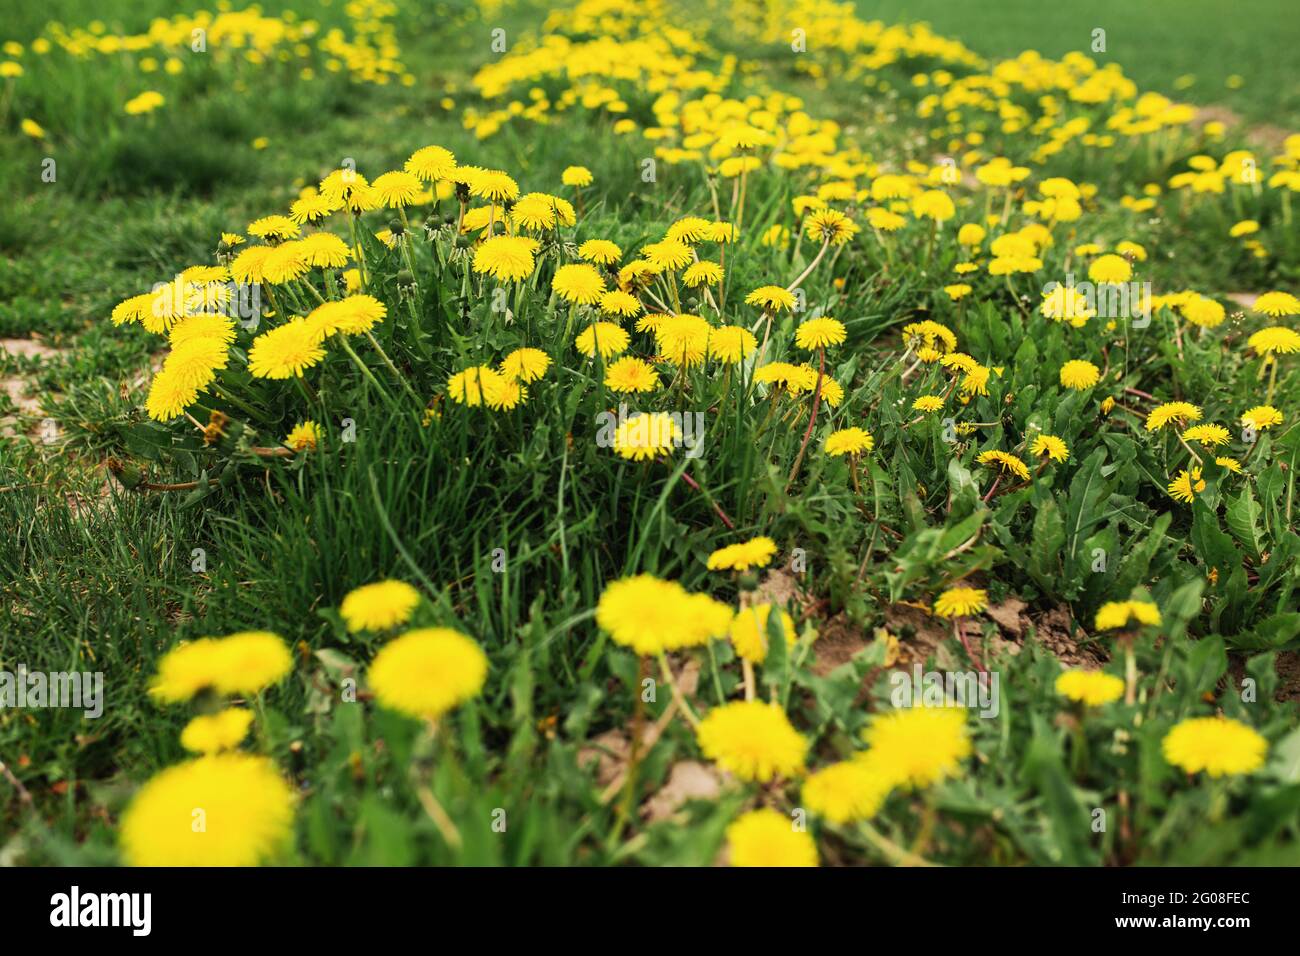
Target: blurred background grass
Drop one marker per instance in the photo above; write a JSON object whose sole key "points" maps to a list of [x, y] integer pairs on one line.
{"points": [[1157, 42]]}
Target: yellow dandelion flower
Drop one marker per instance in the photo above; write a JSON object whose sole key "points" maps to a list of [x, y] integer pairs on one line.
{"points": [[819, 333], [1114, 615], [305, 436], [752, 740], [224, 730], [1218, 745], [767, 838], [630, 374], [244, 805], [1051, 446], [1078, 374], [849, 441], [961, 602], [244, 663], [748, 631], [427, 672], [1162, 415], [1091, 688], [917, 746]]}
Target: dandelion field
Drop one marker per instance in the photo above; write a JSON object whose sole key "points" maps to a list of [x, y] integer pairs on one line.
{"points": [[754, 434]]}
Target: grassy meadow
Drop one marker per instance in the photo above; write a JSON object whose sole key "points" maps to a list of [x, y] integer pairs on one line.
{"points": [[632, 404]]}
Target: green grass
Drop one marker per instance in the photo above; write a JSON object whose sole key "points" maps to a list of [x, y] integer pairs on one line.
{"points": [[1156, 43], [107, 577]]}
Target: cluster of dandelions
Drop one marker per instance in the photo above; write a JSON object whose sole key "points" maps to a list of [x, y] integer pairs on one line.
{"points": [[231, 807]]}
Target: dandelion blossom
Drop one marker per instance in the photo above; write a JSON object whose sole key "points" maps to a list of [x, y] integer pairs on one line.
{"points": [[525, 365], [379, 606], [578, 283], [1261, 417], [752, 740], [427, 672], [1162, 415], [773, 298], [286, 351], [244, 663], [305, 436], [754, 553], [819, 333], [1091, 688], [506, 257], [607, 338], [1114, 615], [961, 602], [846, 792], [214, 733], [646, 436], [1218, 745], [650, 615], [630, 374], [748, 631], [1187, 485], [768, 838], [917, 746], [849, 441], [1005, 462], [1051, 447], [1078, 374], [247, 814], [1277, 339], [1277, 304]]}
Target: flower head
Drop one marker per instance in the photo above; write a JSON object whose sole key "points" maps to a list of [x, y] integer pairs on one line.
{"points": [[379, 606], [1162, 415], [768, 838], [753, 740], [1005, 462], [607, 338], [1051, 447], [1092, 688], [1187, 485], [1277, 339], [305, 436], [525, 365], [651, 615], [849, 441], [646, 436], [1261, 417], [917, 746], [748, 631], [286, 351], [576, 176], [1219, 746], [961, 602], [247, 814], [243, 663], [1117, 614], [846, 792], [1078, 374], [214, 733], [1277, 304], [773, 298], [754, 553], [819, 333], [506, 257], [427, 672], [629, 374], [578, 283]]}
